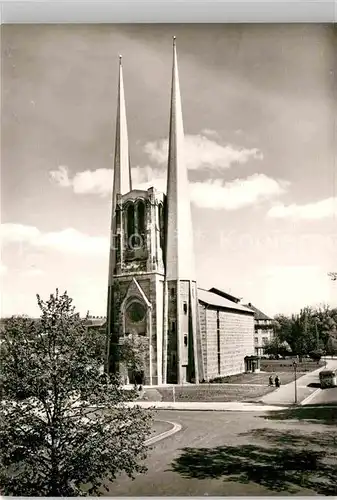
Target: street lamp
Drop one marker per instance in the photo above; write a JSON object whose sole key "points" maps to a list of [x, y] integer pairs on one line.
{"points": [[295, 368]]}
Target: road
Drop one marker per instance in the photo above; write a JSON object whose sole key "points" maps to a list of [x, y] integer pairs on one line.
{"points": [[261, 451], [324, 397]]}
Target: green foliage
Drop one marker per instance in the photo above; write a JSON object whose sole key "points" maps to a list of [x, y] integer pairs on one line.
{"points": [[62, 427]]}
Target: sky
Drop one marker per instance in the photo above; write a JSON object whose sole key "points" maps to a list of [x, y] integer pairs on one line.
{"points": [[259, 108]]}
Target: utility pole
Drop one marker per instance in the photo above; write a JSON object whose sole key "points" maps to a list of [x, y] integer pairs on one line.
{"points": [[295, 372]]}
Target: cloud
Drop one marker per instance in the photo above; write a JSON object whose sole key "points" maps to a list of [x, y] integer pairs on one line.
{"points": [[18, 233], [89, 181], [202, 153], [209, 194], [209, 132], [61, 176], [146, 177], [100, 181], [3, 269], [68, 240], [236, 194], [317, 210], [33, 272]]}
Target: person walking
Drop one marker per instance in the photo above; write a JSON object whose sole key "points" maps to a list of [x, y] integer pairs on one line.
{"points": [[277, 381], [271, 381]]}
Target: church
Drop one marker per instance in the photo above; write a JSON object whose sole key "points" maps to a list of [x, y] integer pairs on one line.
{"points": [[191, 334]]}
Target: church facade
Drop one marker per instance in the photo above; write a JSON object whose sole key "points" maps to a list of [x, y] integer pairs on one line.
{"points": [[190, 334]]}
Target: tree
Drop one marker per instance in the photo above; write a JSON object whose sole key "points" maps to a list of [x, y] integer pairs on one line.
{"points": [[276, 348], [299, 331], [309, 331], [133, 352], [331, 347], [63, 431]]}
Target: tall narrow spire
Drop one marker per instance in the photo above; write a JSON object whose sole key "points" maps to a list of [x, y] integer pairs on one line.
{"points": [[122, 170], [121, 185], [179, 242]]}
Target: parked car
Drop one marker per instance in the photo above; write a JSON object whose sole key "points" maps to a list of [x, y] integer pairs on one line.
{"points": [[328, 378]]}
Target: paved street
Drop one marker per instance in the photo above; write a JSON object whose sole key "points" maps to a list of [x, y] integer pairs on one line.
{"points": [[233, 454], [324, 397]]}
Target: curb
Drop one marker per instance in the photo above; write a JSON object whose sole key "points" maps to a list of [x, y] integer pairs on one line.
{"points": [[310, 397], [164, 435], [205, 406]]}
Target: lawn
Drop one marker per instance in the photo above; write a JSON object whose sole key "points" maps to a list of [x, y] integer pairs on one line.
{"points": [[286, 365], [258, 378], [243, 387], [207, 392]]}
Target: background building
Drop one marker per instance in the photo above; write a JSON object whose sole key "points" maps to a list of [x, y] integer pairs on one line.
{"points": [[264, 329]]}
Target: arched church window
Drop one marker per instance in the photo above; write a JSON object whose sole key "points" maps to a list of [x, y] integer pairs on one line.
{"points": [[141, 217], [130, 214]]}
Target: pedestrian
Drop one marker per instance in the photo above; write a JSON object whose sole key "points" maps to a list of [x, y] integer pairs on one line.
{"points": [[277, 381], [271, 381]]}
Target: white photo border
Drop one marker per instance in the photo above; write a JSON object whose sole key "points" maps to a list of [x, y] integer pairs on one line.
{"points": [[168, 11]]}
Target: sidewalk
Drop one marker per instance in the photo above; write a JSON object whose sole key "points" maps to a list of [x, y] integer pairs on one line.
{"points": [[285, 395], [202, 406]]}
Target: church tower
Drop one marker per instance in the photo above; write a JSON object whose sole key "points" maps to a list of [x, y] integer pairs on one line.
{"points": [[152, 291], [181, 345], [136, 266]]}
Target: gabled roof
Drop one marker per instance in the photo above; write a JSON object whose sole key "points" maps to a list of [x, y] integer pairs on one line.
{"points": [[224, 294], [257, 313], [216, 300]]}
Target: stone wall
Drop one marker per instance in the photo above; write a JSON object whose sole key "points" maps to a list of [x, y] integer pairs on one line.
{"points": [[203, 336], [152, 286], [236, 341]]}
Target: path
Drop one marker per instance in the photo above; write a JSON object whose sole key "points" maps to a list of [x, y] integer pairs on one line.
{"points": [[285, 395]]}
